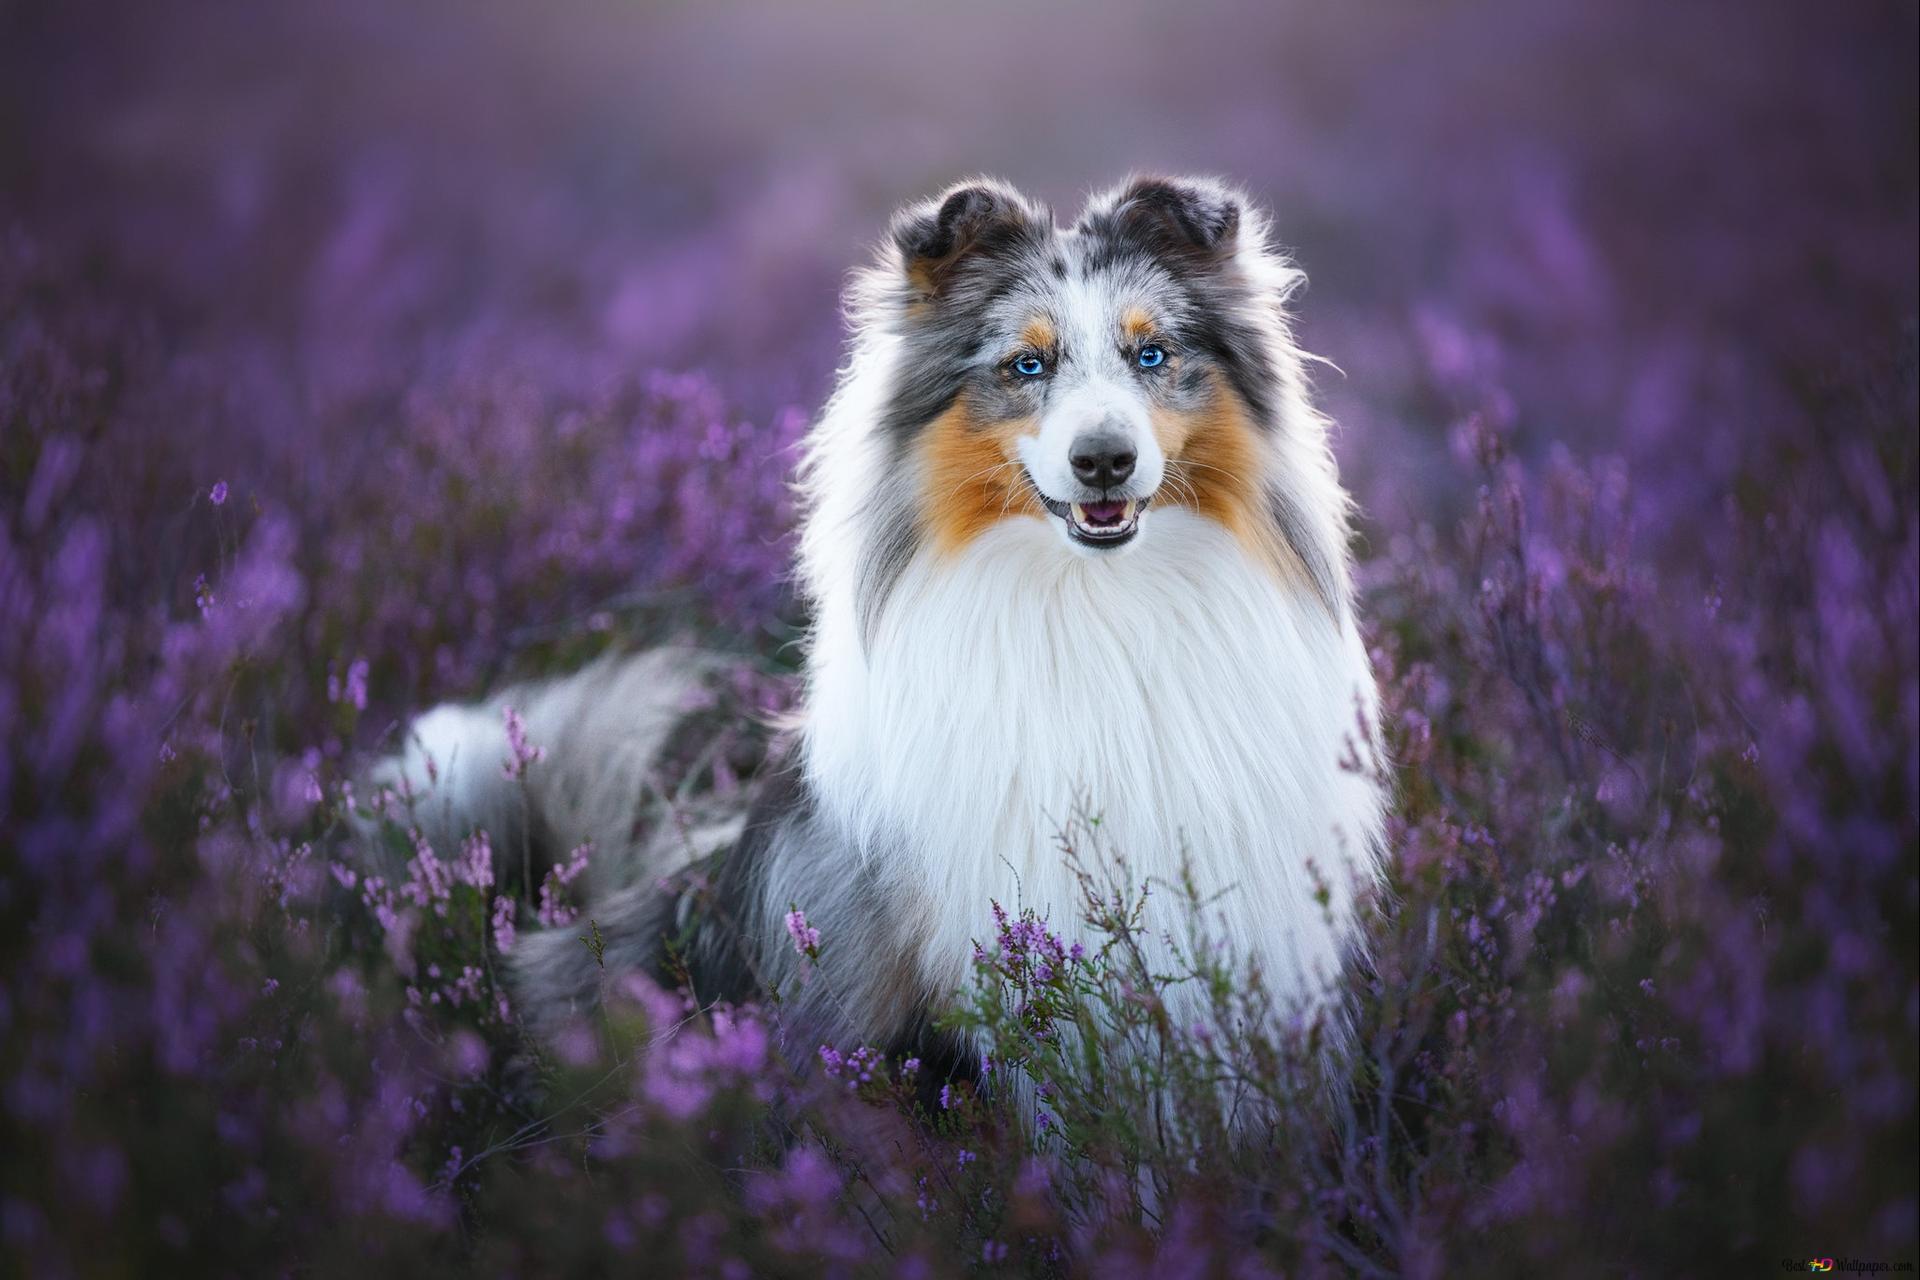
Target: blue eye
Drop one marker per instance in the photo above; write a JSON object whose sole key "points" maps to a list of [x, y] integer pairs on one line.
{"points": [[1151, 357], [1029, 366]]}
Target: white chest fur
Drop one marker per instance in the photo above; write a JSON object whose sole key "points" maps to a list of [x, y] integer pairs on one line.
{"points": [[1179, 691]]}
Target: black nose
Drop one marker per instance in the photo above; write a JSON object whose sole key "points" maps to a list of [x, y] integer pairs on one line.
{"points": [[1102, 459]]}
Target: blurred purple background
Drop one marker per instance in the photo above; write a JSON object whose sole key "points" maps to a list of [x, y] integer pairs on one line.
{"points": [[1646, 222]]}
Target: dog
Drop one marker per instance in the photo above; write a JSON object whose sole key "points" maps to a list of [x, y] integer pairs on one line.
{"points": [[1073, 535]]}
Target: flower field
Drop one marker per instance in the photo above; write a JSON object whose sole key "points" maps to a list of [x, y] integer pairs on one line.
{"points": [[356, 357]]}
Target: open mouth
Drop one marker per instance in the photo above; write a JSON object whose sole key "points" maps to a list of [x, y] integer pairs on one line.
{"points": [[1107, 523], [1103, 524]]}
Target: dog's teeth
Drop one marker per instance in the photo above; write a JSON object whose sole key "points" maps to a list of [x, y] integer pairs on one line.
{"points": [[1127, 514], [1079, 513]]}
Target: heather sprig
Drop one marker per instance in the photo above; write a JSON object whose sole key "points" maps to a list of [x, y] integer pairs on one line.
{"points": [[806, 938]]}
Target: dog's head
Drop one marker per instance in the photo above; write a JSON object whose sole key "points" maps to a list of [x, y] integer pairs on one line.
{"points": [[1082, 375]]}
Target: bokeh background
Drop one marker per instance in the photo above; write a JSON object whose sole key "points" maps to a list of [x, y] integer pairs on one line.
{"points": [[353, 355], [1645, 223]]}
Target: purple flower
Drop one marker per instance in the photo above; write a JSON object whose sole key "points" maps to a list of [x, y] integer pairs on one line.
{"points": [[356, 688], [502, 924], [520, 753], [554, 910], [806, 939]]}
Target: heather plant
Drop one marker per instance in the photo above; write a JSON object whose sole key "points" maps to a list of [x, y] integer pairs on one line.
{"points": [[337, 381]]}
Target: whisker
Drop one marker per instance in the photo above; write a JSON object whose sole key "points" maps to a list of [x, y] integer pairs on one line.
{"points": [[1188, 462], [987, 471]]}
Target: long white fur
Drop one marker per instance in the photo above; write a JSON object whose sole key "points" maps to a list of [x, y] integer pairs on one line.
{"points": [[1180, 689], [1182, 693]]}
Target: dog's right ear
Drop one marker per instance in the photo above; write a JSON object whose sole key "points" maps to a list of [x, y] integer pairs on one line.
{"points": [[972, 220]]}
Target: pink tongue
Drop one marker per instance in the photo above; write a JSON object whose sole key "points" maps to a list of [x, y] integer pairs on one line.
{"points": [[1104, 512]]}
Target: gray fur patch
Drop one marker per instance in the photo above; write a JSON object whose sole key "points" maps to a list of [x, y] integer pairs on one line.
{"points": [[889, 548], [1320, 562]]}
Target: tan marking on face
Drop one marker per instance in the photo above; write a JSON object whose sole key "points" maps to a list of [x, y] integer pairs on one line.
{"points": [[973, 476], [1214, 462], [1038, 335], [1137, 325]]}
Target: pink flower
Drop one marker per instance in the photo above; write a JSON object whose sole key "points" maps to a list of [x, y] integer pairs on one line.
{"points": [[475, 866], [554, 909], [503, 926], [806, 939], [522, 753]]}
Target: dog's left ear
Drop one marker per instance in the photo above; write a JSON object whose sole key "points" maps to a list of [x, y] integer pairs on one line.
{"points": [[1194, 219]]}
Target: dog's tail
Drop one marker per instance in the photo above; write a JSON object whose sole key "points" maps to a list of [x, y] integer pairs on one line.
{"points": [[546, 767]]}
